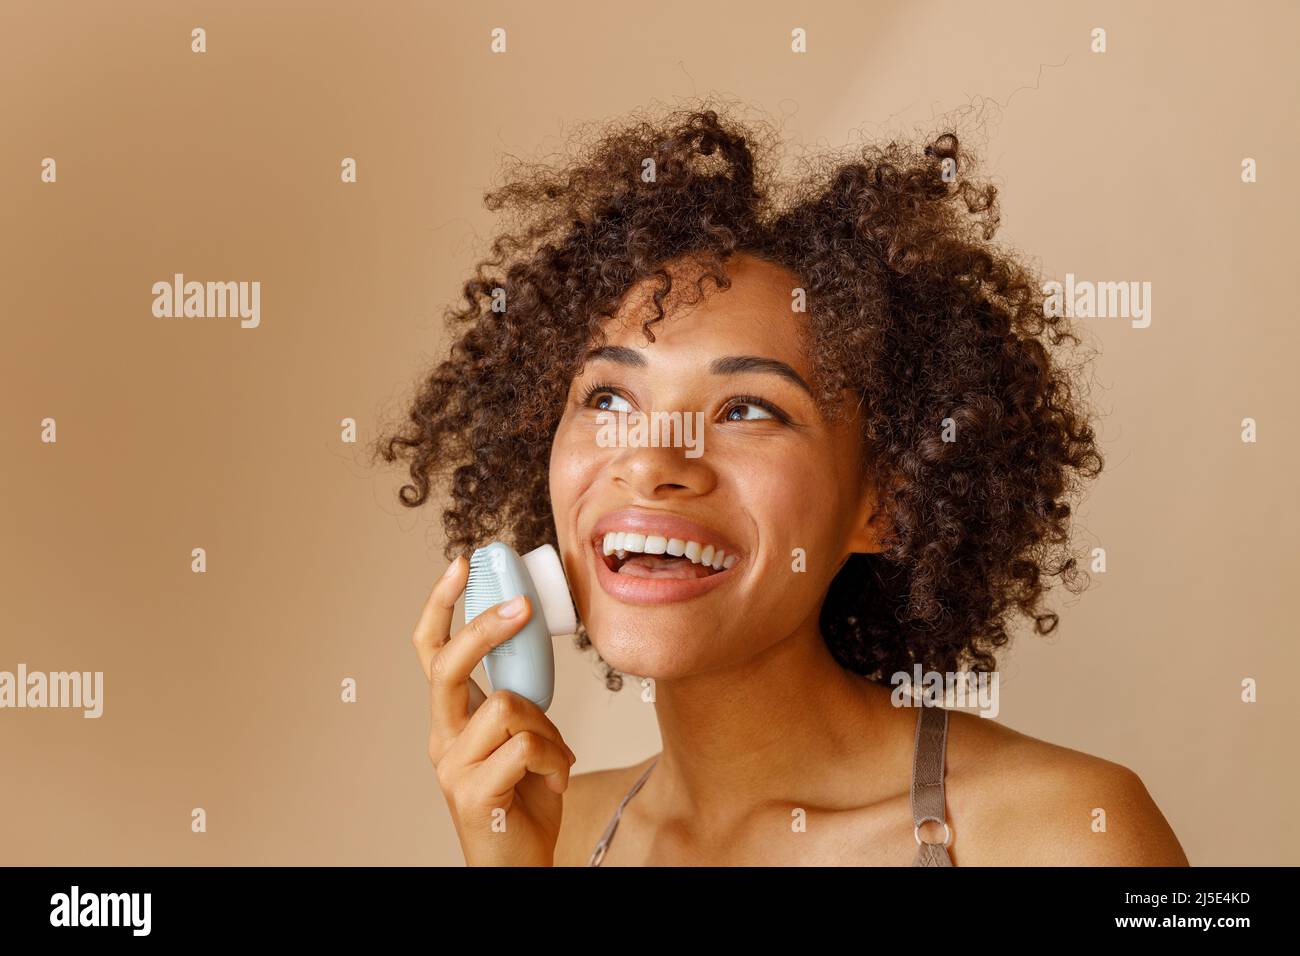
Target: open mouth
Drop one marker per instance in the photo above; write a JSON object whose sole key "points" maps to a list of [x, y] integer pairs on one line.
{"points": [[637, 555]]}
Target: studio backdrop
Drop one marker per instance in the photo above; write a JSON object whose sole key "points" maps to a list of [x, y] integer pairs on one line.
{"points": [[189, 514]]}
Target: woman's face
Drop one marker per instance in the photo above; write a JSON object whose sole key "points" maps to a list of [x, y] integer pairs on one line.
{"points": [[765, 479]]}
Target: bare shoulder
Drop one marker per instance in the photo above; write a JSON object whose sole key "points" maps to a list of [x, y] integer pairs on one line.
{"points": [[589, 803], [1014, 800]]}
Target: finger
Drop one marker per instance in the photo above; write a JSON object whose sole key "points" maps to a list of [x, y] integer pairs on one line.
{"points": [[476, 697], [441, 743], [525, 753], [505, 715], [455, 661], [434, 626]]}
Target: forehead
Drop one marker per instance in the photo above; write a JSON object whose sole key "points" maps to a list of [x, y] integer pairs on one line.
{"points": [[752, 317]]}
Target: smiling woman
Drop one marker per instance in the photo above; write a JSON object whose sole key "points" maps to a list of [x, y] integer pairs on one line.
{"points": [[888, 436]]}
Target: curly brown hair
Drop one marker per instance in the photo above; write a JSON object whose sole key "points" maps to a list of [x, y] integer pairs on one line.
{"points": [[911, 308]]}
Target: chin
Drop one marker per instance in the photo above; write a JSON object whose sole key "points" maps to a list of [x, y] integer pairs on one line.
{"points": [[642, 649]]}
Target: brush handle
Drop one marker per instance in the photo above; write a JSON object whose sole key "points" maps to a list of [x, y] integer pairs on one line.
{"points": [[525, 664]]}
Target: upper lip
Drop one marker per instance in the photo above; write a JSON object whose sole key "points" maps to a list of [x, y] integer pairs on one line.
{"points": [[661, 523]]}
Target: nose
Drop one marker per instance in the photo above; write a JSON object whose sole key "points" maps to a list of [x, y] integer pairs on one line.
{"points": [[655, 473]]}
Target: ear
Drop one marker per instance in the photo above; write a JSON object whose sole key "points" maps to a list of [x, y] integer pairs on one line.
{"points": [[871, 524]]}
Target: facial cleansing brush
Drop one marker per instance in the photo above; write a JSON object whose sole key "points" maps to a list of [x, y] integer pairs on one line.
{"points": [[525, 664]]}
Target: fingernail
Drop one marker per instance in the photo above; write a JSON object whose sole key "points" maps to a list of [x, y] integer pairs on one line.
{"points": [[512, 608]]}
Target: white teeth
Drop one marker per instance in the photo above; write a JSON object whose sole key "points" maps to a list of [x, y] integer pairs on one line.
{"points": [[623, 543]]}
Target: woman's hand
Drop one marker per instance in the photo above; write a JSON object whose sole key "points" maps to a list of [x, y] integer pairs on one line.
{"points": [[502, 764]]}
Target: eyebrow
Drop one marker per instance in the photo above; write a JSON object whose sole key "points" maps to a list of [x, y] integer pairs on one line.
{"points": [[617, 353], [736, 364], [729, 365]]}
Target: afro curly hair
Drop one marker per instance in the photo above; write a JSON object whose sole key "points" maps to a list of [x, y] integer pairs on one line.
{"points": [[911, 308]]}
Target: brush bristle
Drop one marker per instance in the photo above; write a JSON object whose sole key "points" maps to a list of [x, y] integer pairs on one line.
{"points": [[484, 589]]}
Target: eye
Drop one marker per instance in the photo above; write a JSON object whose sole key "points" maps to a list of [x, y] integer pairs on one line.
{"points": [[606, 399], [747, 409], [743, 412]]}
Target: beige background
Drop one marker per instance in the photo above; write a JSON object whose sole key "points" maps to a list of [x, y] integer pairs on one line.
{"points": [[222, 690]]}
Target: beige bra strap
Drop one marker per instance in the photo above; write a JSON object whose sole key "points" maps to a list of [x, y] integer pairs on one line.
{"points": [[602, 847], [927, 785]]}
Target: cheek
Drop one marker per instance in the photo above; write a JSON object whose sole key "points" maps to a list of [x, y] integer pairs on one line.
{"points": [[575, 461], [796, 501]]}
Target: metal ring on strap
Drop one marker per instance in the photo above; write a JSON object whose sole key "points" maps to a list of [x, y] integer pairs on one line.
{"points": [[947, 832]]}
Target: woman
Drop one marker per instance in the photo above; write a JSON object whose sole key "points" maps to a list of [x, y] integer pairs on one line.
{"points": [[887, 439]]}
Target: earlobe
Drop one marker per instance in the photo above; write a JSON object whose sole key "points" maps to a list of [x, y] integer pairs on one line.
{"points": [[871, 527]]}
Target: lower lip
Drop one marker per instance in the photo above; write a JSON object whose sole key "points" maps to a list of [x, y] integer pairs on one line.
{"points": [[630, 590]]}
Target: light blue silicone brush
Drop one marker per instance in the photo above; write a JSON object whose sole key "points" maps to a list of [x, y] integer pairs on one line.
{"points": [[525, 664]]}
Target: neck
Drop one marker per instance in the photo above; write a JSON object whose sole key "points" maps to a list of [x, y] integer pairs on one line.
{"points": [[788, 723]]}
